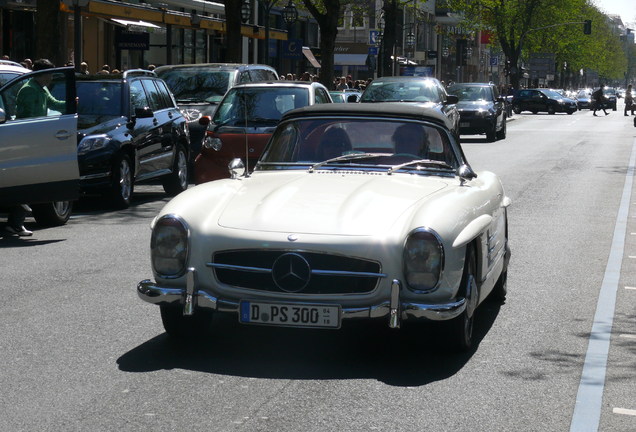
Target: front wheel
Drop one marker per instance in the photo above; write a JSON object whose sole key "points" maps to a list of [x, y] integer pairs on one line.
{"points": [[551, 110], [177, 181], [460, 329], [516, 109], [502, 133], [52, 214], [122, 186]]}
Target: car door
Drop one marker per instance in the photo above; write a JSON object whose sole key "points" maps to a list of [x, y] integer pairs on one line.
{"points": [[164, 115], [38, 150], [145, 134]]}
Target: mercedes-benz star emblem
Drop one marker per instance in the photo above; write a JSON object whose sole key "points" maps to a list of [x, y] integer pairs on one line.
{"points": [[291, 272]]}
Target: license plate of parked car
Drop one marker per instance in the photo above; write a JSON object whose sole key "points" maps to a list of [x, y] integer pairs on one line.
{"points": [[290, 315], [464, 124]]}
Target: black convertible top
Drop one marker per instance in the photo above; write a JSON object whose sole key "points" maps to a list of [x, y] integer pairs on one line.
{"points": [[402, 110]]}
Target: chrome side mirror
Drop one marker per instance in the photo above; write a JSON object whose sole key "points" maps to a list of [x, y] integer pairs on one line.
{"points": [[466, 173], [236, 168]]}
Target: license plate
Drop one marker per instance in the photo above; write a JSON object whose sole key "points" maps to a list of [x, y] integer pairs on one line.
{"points": [[464, 124], [290, 315]]}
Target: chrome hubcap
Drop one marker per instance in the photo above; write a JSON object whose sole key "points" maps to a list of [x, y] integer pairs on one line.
{"points": [[125, 180]]}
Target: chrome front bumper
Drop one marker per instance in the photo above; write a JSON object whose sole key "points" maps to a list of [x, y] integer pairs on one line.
{"points": [[394, 309]]}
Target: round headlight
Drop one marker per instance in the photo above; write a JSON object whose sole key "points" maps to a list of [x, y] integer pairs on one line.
{"points": [[169, 246], [212, 143], [423, 260]]}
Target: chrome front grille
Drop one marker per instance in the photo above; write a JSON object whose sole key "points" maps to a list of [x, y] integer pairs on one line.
{"points": [[295, 272]]}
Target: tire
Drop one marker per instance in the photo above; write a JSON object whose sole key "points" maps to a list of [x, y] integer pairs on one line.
{"points": [[177, 181], [551, 110], [502, 133], [179, 326], [491, 134], [122, 186], [571, 112], [534, 111], [52, 214], [500, 290], [516, 109], [460, 329]]}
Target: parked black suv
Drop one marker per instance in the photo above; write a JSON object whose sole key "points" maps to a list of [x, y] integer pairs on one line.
{"points": [[199, 89], [130, 130]]}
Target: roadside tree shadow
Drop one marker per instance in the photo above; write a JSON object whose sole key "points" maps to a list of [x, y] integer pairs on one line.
{"points": [[412, 356]]}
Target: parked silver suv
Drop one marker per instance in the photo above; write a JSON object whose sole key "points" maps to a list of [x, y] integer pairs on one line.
{"points": [[38, 155]]}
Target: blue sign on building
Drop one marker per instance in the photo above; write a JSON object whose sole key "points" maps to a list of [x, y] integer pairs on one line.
{"points": [[293, 49]]}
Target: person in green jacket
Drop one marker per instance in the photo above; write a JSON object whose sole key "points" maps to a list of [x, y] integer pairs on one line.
{"points": [[34, 98]]}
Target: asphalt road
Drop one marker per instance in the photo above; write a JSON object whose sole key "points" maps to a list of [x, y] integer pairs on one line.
{"points": [[79, 351]]}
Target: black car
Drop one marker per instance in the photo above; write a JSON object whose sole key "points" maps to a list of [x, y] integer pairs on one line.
{"points": [[542, 100], [611, 94], [424, 91], [199, 88], [481, 109], [130, 130]]}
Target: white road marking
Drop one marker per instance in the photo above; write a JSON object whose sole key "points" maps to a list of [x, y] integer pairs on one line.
{"points": [[589, 398], [627, 336], [630, 288], [624, 411]]}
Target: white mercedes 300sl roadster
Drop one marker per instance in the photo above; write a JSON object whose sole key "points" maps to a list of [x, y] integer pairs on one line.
{"points": [[354, 211]]}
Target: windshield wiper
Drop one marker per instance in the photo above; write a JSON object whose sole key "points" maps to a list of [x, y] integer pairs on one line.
{"points": [[346, 157], [429, 162]]}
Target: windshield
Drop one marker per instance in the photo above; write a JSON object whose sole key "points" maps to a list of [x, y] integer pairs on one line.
{"points": [[5, 77], [553, 94], [402, 91], [583, 94], [471, 93], [99, 98], [360, 142], [259, 105], [197, 84]]}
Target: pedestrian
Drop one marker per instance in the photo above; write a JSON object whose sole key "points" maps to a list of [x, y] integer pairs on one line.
{"points": [[105, 70], [15, 220], [84, 68], [599, 100], [343, 84], [629, 100], [28, 62], [151, 67], [33, 98]]}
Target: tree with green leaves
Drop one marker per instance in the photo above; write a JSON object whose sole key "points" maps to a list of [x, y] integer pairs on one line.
{"points": [[555, 26]]}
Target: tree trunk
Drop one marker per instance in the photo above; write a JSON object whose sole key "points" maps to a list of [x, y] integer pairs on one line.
{"points": [[233, 31], [328, 23], [50, 32], [389, 37]]}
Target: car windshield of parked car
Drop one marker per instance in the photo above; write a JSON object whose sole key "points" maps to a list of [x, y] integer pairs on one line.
{"points": [[402, 91], [583, 94], [553, 94], [197, 84], [259, 105], [471, 93], [99, 98], [368, 143]]}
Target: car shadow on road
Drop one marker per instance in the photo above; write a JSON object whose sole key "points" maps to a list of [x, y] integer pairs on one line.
{"points": [[412, 356]]}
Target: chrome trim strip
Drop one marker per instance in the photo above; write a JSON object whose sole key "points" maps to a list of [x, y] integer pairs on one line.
{"points": [[313, 272], [190, 299], [150, 292], [394, 309], [95, 176]]}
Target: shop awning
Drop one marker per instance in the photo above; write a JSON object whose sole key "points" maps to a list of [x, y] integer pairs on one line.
{"points": [[350, 59], [310, 56], [139, 25]]}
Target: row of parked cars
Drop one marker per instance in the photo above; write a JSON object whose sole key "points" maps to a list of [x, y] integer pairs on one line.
{"points": [[187, 122]]}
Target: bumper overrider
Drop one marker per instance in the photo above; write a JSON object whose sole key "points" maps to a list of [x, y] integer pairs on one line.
{"points": [[393, 308]]}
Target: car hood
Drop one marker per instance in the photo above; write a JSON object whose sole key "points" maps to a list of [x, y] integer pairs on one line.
{"points": [[325, 202], [98, 124], [193, 111], [474, 105]]}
